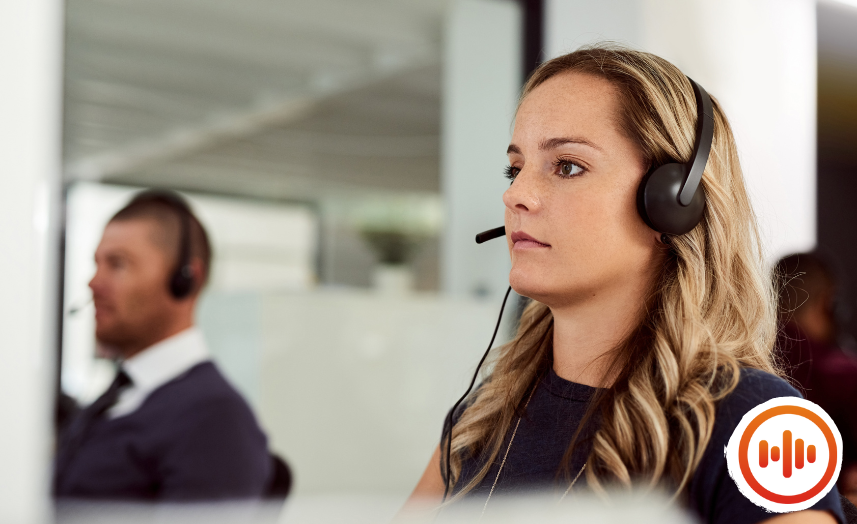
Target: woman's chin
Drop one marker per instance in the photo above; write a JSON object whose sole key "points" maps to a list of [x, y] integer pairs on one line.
{"points": [[528, 284]]}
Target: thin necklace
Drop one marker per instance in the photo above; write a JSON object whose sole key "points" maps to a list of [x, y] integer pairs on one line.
{"points": [[506, 455]]}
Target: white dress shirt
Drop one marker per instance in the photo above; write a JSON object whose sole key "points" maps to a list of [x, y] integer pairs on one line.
{"points": [[158, 364]]}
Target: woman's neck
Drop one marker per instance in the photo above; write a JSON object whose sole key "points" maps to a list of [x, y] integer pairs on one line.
{"points": [[586, 332]]}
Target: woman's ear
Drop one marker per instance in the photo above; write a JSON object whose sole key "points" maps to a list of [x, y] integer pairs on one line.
{"points": [[664, 242]]}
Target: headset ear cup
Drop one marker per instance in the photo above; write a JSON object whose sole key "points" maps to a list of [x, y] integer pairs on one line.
{"points": [[182, 282], [658, 205]]}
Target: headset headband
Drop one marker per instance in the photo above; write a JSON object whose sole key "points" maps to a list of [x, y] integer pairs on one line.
{"points": [[182, 278], [701, 144]]}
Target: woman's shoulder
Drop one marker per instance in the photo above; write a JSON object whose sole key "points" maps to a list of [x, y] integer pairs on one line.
{"points": [[755, 387]]}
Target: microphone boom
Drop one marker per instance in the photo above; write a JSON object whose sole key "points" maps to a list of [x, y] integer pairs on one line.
{"points": [[491, 234]]}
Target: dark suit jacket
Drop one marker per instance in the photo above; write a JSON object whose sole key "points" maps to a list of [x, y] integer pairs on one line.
{"points": [[194, 438]]}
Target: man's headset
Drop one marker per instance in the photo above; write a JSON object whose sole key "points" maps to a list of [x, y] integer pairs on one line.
{"points": [[668, 200], [182, 280]]}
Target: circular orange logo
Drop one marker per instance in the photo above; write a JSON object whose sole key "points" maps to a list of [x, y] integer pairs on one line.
{"points": [[785, 454]]}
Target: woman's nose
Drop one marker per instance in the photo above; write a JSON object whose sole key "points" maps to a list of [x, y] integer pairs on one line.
{"points": [[522, 195]]}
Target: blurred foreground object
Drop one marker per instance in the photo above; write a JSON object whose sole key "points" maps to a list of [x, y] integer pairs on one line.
{"points": [[170, 427], [808, 344], [103, 512], [638, 507]]}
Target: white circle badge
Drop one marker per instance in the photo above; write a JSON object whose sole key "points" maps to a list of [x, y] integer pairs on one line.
{"points": [[785, 454]]}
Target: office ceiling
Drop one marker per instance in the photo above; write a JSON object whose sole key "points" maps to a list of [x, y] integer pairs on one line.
{"points": [[278, 99]]}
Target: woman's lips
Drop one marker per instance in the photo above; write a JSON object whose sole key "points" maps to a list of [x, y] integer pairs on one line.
{"points": [[521, 240]]}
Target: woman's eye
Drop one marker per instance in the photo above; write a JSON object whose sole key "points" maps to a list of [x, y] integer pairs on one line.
{"points": [[569, 169], [512, 172]]}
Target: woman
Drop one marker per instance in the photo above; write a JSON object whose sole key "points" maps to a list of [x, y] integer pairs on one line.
{"points": [[639, 352]]}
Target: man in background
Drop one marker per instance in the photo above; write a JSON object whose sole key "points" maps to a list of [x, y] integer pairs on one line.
{"points": [[169, 427], [808, 344]]}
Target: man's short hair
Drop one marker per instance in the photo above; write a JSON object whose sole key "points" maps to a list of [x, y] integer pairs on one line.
{"points": [[167, 209]]}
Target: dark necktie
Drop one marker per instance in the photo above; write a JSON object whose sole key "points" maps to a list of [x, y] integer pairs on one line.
{"points": [[74, 436]]}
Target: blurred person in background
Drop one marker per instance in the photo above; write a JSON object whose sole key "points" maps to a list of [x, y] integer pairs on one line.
{"points": [[640, 351], [169, 427], [808, 343]]}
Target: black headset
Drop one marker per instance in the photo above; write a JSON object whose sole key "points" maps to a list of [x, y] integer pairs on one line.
{"points": [[668, 198], [669, 201], [182, 280]]}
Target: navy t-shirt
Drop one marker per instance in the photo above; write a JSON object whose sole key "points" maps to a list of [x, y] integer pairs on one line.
{"points": [[555, 412]]}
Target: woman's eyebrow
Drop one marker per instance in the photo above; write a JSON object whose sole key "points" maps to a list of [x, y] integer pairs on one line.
{"points": [[553, 143]]}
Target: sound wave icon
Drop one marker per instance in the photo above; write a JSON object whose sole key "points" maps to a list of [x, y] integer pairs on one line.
{"points": [[787, 453]]}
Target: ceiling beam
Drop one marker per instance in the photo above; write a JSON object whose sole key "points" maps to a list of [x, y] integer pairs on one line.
{"points": [[180, 142], [184, 141]]}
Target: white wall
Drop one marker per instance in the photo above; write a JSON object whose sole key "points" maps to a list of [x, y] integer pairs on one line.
{"points": [[30, 89], [758, 58], [355, 385], [480, 89]]}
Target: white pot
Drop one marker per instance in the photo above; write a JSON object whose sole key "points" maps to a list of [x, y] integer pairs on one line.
{"points": [[393, 280]]}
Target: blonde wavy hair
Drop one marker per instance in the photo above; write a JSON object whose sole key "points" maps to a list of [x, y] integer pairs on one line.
{"points": [[711, 311]]}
